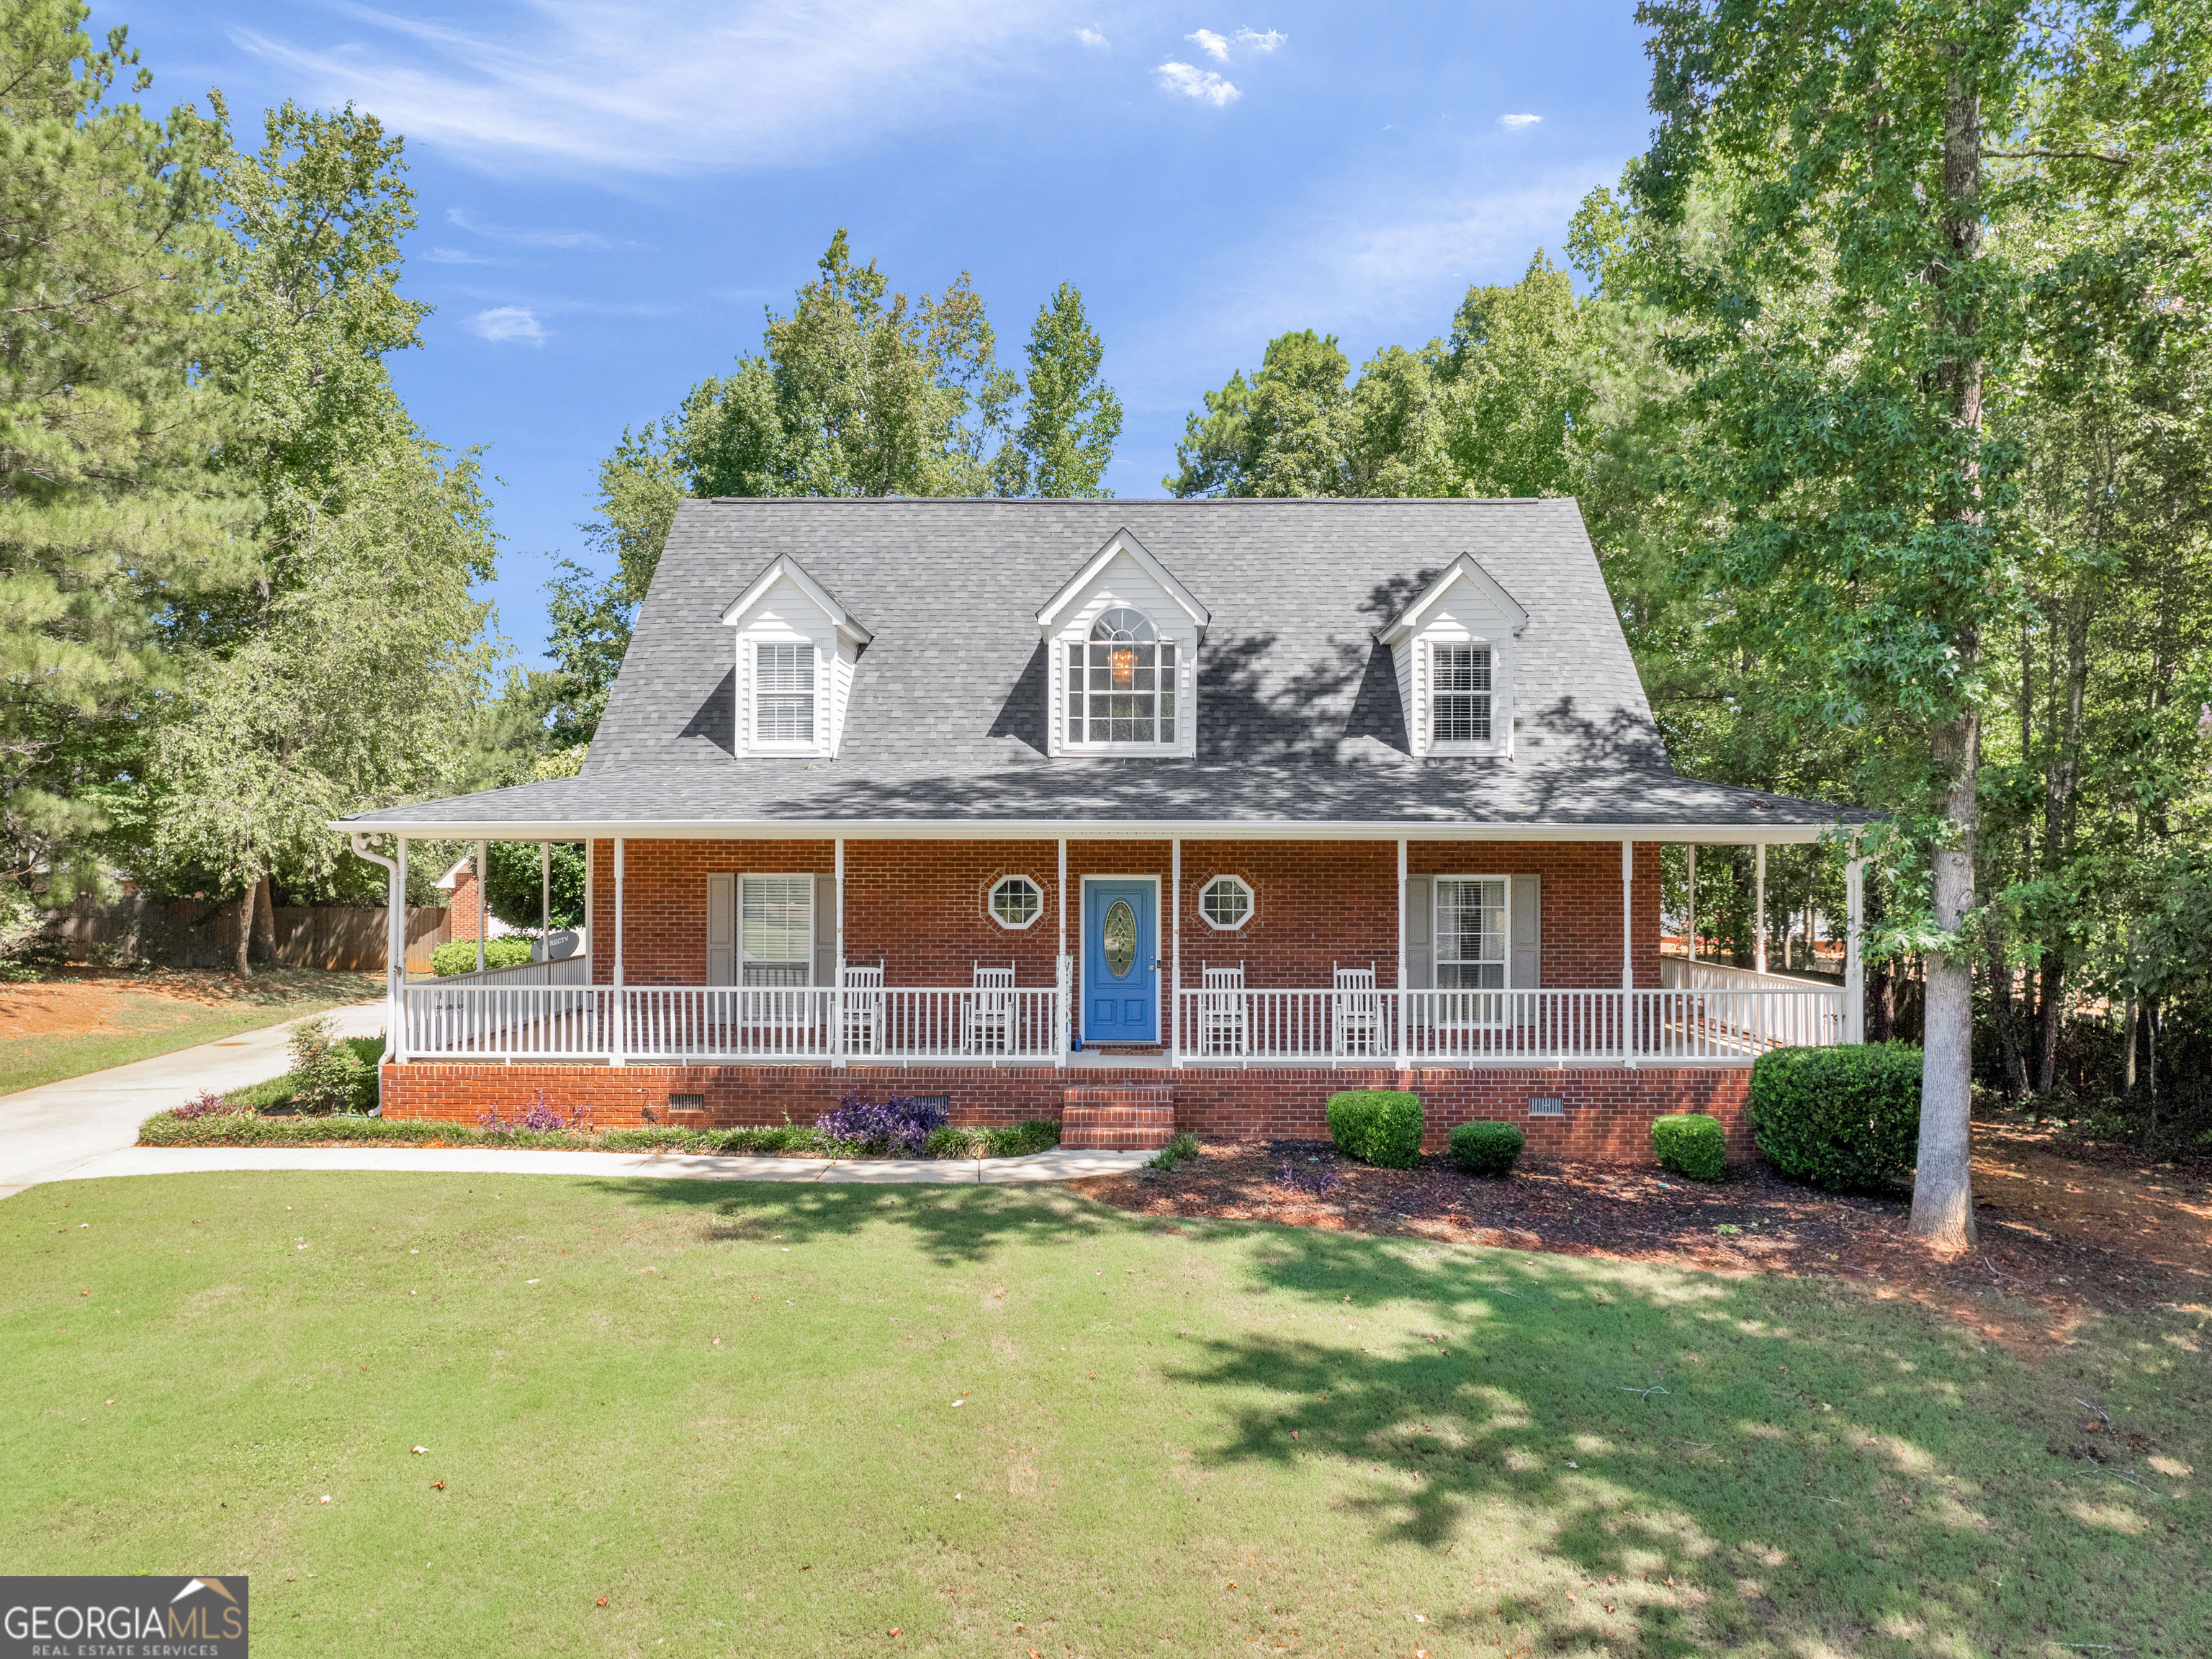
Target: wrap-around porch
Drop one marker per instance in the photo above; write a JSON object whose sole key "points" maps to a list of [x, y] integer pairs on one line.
{"points": [[1311, 951]]}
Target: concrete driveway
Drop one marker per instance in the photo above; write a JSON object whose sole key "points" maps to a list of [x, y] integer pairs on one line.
{"points": [[47, 1132]]}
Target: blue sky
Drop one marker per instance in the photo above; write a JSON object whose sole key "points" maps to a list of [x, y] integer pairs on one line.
{"points": [[610, 192]]}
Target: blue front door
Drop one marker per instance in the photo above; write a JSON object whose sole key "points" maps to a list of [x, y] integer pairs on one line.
{"points": [[1120, 962]]}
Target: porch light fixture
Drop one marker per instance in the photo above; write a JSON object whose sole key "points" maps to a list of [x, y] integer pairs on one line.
{"points": [[1225, 901], [1016, 901]]}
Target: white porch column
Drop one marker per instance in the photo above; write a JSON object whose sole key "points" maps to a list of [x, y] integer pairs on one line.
{"points": [[1854, 965], [1628, 915], [1404, 1061], [1174, 993], [837, 991], [1759, 910], [620, 1035], [591, 858], [546, 907], [1061, 977], [1690, 854], [482, 906], [399, 955]]}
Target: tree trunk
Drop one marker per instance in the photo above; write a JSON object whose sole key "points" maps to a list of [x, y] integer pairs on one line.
{"points": [[240, 965], [1942, 1184], [2015, 1069], [2059, 818], [264, 921]]}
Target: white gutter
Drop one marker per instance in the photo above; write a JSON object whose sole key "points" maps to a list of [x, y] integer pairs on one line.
{"points": [[1729, 835]]}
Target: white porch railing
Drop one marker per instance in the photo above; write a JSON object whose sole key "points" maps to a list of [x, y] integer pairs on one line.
{"points": [[715, 1025], [1681, 974], [692, 1024], [1427, 1028]]}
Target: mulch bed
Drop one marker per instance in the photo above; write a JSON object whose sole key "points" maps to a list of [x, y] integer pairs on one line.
{"points": [[2053, 1246]]}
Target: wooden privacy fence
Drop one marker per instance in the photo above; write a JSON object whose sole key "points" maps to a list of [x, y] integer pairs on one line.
{"points": [[201, 934]]}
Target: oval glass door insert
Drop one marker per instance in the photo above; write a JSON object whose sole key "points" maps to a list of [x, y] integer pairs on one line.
{"points": [[1120, 939]]}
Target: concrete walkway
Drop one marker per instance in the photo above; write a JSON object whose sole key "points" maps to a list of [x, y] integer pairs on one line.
{"points": [[86, 1127], [48, 1132], [1061, 1164]]}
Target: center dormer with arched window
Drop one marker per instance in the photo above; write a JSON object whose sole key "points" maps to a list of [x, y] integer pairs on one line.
{"points": [[1122, 642]]}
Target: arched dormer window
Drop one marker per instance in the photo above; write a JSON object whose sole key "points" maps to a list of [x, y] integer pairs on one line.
{"points": [[1121, 682]]}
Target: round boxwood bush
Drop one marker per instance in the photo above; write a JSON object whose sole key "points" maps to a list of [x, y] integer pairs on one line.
{"points": [[1381, 1126], [460, 955], [1486, 1148], [1690, 1144], [1845, 1119]]}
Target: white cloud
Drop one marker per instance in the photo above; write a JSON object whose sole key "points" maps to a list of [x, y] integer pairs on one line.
{"points": [[1093, 38], [1210, 44], [675, 86], [585, 241], [1261, 41], [504, 323], [1515, 123], [1194, 82], [453, 256]]}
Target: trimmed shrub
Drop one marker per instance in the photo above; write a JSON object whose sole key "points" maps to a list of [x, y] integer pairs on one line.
{"points": [[1845, 1119], [1382, 1127], [328, 1072], [1690, 1144], [459, 957], [1486, 1148], [1182, 1148]]}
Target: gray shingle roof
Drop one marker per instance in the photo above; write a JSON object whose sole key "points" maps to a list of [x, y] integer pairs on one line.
{"points": [[1297, 709]]}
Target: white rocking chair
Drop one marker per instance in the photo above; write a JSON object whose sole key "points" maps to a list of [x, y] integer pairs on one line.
{"points": [[1358, 1007], [1224, 1021], [989, 1025], [864, 1009]]}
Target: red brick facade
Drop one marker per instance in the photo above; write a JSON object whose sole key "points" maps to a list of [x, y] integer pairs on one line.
{"points": [[918, 907], [1609, 1111]]}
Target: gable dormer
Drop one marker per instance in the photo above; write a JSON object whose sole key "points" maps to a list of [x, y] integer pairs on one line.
{"points": [[797, 648], [1121, 639], [1453, 648]]}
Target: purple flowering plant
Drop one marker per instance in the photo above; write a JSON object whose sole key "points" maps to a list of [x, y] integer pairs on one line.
{"points": [[206, 1103], [540, 1116], [1318, 1183], [895, 1124]]}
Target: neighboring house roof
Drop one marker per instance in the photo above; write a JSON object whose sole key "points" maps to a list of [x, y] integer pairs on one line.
{"points": [[1298, 711]]}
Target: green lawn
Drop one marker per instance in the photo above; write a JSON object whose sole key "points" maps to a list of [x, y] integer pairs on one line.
{"points": [[786, 1419], [160, 1026]]}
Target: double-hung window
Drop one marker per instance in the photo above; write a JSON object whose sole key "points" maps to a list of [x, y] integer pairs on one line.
{"points": [[1459, 693], [1121, 683], [783, 694], [1471, 945], [776, 929]]}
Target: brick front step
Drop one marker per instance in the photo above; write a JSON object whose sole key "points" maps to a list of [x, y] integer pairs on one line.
{"points": [[1122, 1120]]}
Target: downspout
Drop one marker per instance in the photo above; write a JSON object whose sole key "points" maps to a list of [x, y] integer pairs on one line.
{"points": [[395, 942]]}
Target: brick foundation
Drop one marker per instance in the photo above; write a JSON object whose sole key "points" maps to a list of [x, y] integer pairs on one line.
{"points": [[1608, 1110]]}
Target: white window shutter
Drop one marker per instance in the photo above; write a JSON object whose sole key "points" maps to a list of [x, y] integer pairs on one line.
{"points": [[1525, 971], [721, 930], [1420, 932], [825, 931]]}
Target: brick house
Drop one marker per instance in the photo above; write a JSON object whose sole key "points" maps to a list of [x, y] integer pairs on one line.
{"points": [[1125, 813]]}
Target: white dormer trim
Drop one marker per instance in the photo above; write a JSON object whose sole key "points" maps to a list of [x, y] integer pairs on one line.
{"points": [[1462, 568], [1123, 542], [1464, 606], [1123, 575], [783, 565], [785, 606]]}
